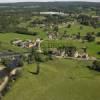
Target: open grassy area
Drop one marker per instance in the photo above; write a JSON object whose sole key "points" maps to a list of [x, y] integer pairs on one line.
{"points": [[60, 79], [7, 37], [50, 50], [75, 28]]}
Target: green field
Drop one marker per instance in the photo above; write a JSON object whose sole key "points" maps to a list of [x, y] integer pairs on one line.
{"points": [[75, 28], [59, 79], [7, 37], [51, 48]]}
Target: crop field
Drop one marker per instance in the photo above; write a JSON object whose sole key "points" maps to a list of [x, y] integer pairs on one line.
{"points": [[59, 79]]}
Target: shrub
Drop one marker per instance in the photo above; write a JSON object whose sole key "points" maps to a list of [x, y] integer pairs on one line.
{"points": [[95, 65], [98, 34], [98, 53], [69, 26], [98, 42], [89, 37]]}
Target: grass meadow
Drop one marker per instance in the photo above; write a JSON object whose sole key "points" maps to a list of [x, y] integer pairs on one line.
{"points": [[59, 79]]}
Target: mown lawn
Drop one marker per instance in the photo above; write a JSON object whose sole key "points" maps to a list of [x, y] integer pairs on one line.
{"points": [[7, 37], [59, 79]]}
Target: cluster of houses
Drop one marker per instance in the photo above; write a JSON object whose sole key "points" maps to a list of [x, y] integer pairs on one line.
{"points": [[65, 36], [52, 35], [22, 44], [64, 52], [26, 43], [70, 52]]}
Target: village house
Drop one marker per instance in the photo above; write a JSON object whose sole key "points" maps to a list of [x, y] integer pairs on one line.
{"points": [[22, 44], [80, 54], [16, 41], [50, 36], [96, 17], [70, 52]]}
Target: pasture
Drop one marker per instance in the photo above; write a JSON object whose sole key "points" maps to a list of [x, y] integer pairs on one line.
{"points": [[59, 79], [75, 28]]}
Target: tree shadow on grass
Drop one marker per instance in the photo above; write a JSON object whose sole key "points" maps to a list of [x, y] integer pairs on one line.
{"points": [[33, 73], [37, 70]]}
